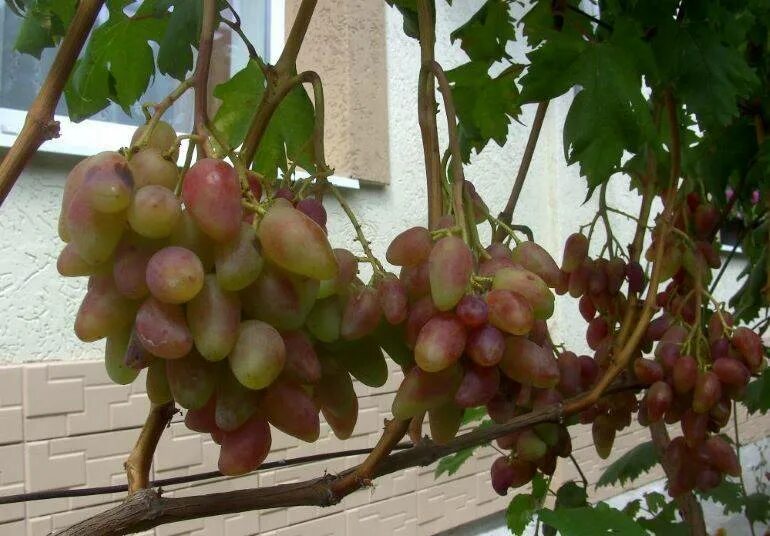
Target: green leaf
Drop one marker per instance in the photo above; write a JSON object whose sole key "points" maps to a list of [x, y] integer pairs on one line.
{"points": [[485, 36], [571, 495], [408, 9], [288, 136], [758, 508], [117, 65], [729, 494], [628, 467], [175, 55], [538, 23], [598, 520], [660, 526], [539, 487], [452, 463], [474, 414], [632, 508], [757, 398], [485, 105], [708, 76], [520, 512], [655, 501], [44, 24]]}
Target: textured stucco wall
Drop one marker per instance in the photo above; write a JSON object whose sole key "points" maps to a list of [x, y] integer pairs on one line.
{"points": [[38, 306]]}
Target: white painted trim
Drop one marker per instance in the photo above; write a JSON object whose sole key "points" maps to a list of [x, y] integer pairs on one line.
{"points": [[277, 37]]}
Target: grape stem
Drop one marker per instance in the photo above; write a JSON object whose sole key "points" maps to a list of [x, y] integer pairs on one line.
{"points": [[506, 215], [280, 79], [147, 509], [201, 75], [426, 113], [140, 460], [39, 125], [579, 470], [159, 109], [431, 67], [376, 265]]}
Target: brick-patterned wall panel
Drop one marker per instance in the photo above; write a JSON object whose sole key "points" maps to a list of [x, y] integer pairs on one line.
{"points": [[66, 425]]}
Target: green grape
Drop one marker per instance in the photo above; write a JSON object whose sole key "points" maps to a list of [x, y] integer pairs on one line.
{"points": [[238, 262], [154, 211], [444, 422], [108, 189], [258, 356], [450, 266], [235, 403], [296, 243], [603, 431], [421, 391], [192, 380], [213, 316], [114, 354], [103, 310], [529, 447], [529, 286], [93, 234], [149, 167], [324, 319], [158, 390], [290, 409], [71, 264], [76, 178], [348, 268], [162, 137], [174, 275], [279, 298]]}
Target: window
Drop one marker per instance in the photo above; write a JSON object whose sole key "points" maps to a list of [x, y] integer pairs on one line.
{"points": [[21, 76]]}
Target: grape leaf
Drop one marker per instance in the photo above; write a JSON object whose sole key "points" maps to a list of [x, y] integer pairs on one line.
{"points": [[628, 467], [538, 22], [758, 508], [175, 56], [473, 414], [729, 494], [485, 105], [655, 501], [44, 24], [117, 65], [408, 9], [632, 508], [520, 512], [452, 463], [757, 398], [571, 495], [288, 135], [597, 520], [708, 77], [485, 35], [660, 526], [609, 115]]}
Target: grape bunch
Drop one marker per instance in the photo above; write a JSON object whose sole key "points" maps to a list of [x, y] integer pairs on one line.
{"points": [[246, 318], [479, 338]]}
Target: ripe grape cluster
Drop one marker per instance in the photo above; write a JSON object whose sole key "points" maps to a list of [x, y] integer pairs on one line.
{"points": [[479, 337], [246, 318]]}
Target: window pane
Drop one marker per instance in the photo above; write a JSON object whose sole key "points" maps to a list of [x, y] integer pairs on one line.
{"points": [[22, 75]]}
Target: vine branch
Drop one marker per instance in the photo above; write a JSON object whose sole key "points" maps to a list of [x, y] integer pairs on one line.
{"points": [[39, 125], [140, 460], [426, 113], [147, 509], [201, 75]]}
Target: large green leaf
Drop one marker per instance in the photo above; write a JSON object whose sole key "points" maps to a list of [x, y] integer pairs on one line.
{"points": [[485, 104], [117, 64], [485, 36], [288, 136], [175, 56], [729, 494], [44, 24], [630, 466], [597, 520], [708, 76], [520, 512], [757, 397]]}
